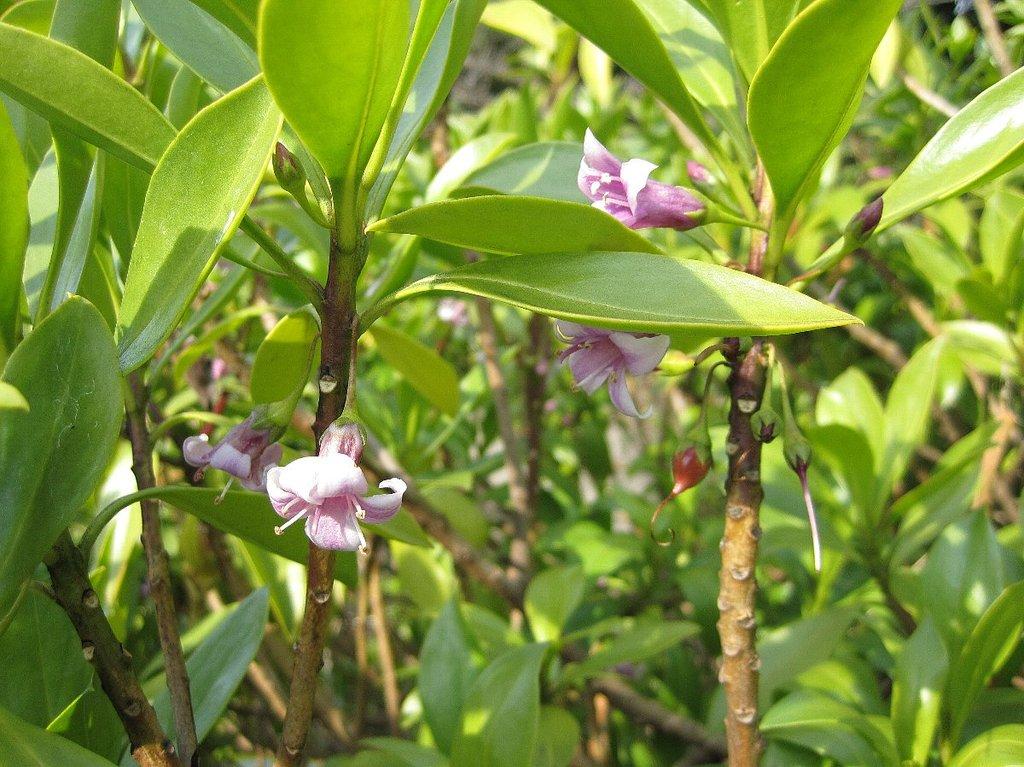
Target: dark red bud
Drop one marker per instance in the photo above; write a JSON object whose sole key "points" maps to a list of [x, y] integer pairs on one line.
{"points": [[688, 470], [863, 225]]}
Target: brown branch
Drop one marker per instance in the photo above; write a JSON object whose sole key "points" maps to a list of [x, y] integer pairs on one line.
{"points": [[159, 576], [994, 37], [385, 656], [337, 364], [70, 578], [535, 364]]}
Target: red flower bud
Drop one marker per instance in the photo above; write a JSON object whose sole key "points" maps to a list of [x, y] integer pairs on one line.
{"points": [[688, 470]]}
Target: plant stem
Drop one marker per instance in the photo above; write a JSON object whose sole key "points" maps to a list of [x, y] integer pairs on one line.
{"points": [[113, 664], [385, 655], [159, 577], [338, 323], [994, 37]]}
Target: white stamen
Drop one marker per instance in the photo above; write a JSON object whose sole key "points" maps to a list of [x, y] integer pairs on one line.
{"points": [[227, 486], [363, 548], [281, 528], [606, 178], [813, 520], [360, 512]]}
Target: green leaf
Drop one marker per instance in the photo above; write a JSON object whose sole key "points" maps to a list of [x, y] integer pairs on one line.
{"points": [[989, 646], [177, 244], [551, 598], [423, 368], [983, 345], [508, 224], [558, 736], [44, 669], [25, 744], [788, 651], [1000, 231], [53, 455], [984, 140], [406, 754], [13, 231], [333, 69], [917, 692], [639, 292], [71, 90], [502, 712], [217, 666], [282, 363], [467, 159], [445, 674], [627, 36], [799, 109], [851, 400], [11, 398], [91, 721], [435, 77], [547, 169], [200, 41], [643, 641], [999, 747], [751, 27], [251, 518]]}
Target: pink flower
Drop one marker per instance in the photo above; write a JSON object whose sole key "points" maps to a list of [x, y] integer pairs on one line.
{"points": [[329, 491], [453, 311], [626, 191], [247, 453], [595, 356]]}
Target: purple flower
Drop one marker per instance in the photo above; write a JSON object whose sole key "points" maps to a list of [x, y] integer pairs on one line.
{"points": [[329, 491], [625, 190], [595, 356], [453, 311], [247, 453]]}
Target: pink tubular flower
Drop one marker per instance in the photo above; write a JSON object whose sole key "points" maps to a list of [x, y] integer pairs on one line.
{"points": [[247, 453], [595, 356], [329, 491], [625, 190]]}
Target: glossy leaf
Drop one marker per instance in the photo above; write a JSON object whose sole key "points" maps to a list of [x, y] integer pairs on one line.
{"points": [[628, 37], [510, 224], [638, 292], [283, 361], [999, 747], [333, 68], [798, 109], [445, 674], [547, 169], [982, 141], [502, 711], [101, 107], [91, 721], [203, 43], [917, 692], [467, 159], [551, 598], [25, 744], [989, 646], [423, 368], [251, 518], [177, 245], [1000, 231], [752, 26], [13, 231], [53, 456], [800, 645]]}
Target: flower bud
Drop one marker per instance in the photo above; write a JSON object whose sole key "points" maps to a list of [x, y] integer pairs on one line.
{"points": [[689, 467], [863, 225], [700, 176], [344, 436], [287, 169], [765, 424]]}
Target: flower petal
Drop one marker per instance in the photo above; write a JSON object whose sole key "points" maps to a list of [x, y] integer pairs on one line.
{"points": [[268, 459], [671, 207], [641, 353], [598, 157], [227, 457], [635, 175], [591, 365], [621, 397], [196, 450], [334, 526], [381, 508]]}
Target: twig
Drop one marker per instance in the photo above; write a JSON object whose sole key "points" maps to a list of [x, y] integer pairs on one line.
{"points": [[927, 96], [994, 37], [336, 366], [535, 364], [389, 680], [113, 664], [362, 654], [159, 577]]}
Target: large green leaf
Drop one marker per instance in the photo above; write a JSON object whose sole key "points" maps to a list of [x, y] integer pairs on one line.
{"points": [[558, 737], [333, 66], [44, 669], [426, 371], [982, 141], [917, 692], [204, 44], [509, 224], [282, 363], [437, 73], [624, 32], [73, 91], [641, 642], [547, 169], [26, 745], [445, 674], [999, 747], [502, 712], [989, 646], [551, 598], [251, 518], [13, 231], [216, 163], [804, 96], [638, 292], [790, 650], [53, 456]]}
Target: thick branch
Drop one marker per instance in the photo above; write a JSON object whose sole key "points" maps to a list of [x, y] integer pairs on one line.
{"points": [[113, 664], [159, 577]]}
